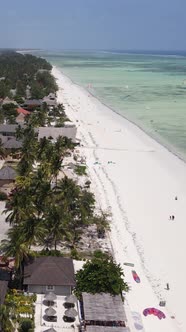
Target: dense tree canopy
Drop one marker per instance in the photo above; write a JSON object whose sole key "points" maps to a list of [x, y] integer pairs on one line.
{"points": [[101, 275], [17, 71]]}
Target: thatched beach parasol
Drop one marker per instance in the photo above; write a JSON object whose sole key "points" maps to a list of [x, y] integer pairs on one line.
{"points": [[71, 313], [71, 299], [50, 330], [50, 297], [50, 312]]}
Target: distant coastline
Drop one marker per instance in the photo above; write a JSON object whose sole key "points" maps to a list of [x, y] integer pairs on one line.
{"points": [[181, 53]]}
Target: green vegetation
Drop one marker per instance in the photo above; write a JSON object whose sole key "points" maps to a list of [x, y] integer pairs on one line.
{"points": [[6, 324], [3, 196], [8, 113], [20, 304], [26, 325], [101, 275], [13, 312], [20, 70], [80, 170], [43, 214]]}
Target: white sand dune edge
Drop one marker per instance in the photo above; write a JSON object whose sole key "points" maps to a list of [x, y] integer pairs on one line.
{"points": [[139, 187]]}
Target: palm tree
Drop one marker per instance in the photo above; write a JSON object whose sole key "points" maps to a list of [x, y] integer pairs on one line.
{"points": [[77, 205], [28, 151], [19, 132], [15, 246], [34, 231], [45, 150], [56, 225], [41, 190], [19, 206], [63, 145], [55, 166]]}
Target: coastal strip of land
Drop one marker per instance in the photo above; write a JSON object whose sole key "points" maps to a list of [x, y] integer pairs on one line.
{"points": [[143, 185]]}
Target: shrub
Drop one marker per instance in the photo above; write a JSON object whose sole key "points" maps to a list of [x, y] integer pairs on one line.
{"points": [[26, 325], [74, 254], [3, 196], [80, 170], [48, 252], [100, 275]]}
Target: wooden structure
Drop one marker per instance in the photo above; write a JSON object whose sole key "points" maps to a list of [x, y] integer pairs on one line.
{"points": [[106, 329], [103, 310]]}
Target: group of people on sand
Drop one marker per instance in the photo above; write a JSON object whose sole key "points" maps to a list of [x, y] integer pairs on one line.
{"points": [[173, 217]]}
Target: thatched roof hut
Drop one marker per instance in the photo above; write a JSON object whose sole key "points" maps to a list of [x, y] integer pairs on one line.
{"points": [[12, 144], [103, 307], [7, 173]]}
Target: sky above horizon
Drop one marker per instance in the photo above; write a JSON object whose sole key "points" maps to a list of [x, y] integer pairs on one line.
{"points": [[93, 24]]}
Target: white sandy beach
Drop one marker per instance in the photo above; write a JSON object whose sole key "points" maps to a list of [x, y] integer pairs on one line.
{"points": [[139, 188]]}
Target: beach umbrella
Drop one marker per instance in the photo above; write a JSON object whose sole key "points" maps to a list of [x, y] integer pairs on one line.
{"points": [[50, 296], [71, 299], [71, 313], [50, 330], [50, 312]]}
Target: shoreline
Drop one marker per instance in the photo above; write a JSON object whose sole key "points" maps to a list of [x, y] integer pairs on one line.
{"points": [[139, 189], [160, 140]]}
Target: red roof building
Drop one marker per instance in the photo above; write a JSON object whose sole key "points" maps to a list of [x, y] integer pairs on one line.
{"points": [[21, 110]]}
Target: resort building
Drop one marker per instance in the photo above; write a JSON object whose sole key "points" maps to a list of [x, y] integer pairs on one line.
{"points": [[20, 119], [8, 101], [8, 130], [21, 110], [103, 312], [48, 273], [54, 132], [50, 100], [12, 144], [32, 104]]}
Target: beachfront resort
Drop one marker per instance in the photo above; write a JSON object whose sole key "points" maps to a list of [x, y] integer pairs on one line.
{"points": [[76, 183], [54, 233]]}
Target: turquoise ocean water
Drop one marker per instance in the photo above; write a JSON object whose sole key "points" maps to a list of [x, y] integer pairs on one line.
{"points": [[149, 90]]}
